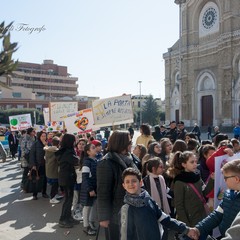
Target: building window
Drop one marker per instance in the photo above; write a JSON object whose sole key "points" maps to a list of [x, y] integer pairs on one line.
{"points": [[8, 106], [17, 94], [20, 106]]}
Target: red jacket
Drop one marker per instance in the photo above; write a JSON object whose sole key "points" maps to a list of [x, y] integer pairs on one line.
{"points": [[211, 164]]}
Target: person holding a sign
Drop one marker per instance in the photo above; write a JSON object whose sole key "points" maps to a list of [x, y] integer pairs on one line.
{"points": [[109, 182]]}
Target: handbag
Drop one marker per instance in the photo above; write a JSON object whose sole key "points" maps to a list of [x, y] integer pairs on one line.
{"points": [[206, 207], [33, 182]]}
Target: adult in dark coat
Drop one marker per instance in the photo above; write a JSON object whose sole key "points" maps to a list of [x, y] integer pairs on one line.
{"points": [[13, 143], [181, 131], [110, 192], [172, 133], [67, 160], [37, 161]]}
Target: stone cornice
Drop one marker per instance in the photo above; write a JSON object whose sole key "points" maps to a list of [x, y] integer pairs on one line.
{"points": [[223, 38]]}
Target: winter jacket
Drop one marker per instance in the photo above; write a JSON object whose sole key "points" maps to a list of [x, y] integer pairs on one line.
{"points": [[233, 232], [211, 164], [89, 181], [223, 216], [143, 139], [37, 154], [51, 163], [141, 216], [67, 160], [189, 207], [110, 192]]}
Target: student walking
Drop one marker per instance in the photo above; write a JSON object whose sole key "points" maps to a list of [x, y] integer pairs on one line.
{"points": [[88, 192], [141, 216], [188, 193]]}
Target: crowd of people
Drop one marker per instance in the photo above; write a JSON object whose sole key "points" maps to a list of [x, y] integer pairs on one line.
{"points": [[160, 187]]}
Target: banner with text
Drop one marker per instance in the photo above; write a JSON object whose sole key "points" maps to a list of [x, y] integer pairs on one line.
{"points": [[79, 122], [20, 122], [113, 111], [59, 110]]}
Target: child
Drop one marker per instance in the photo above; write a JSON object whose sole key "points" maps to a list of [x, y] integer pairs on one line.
{"points": [[155, 184], [76, 206], [89, 189], [188, 194], [51, 165], [227, 210], [140, 216], [98, 145]]}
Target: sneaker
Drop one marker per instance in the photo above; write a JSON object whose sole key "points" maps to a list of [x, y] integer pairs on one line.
{"points": [[44, 195], [73, 221], [58, 196], [65, 224], [54, 201], [93, 226], [89, 231], [77, 215]]}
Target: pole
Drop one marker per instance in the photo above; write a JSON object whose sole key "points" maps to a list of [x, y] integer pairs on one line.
{"points": [[140, 105], [180, 2]]}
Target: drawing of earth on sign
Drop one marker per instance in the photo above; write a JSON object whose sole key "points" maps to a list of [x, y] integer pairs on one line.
{"points": [[14, 123], [81, 123]]}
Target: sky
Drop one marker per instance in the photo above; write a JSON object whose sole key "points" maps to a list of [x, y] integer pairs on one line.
{"points": [[110, 45]]}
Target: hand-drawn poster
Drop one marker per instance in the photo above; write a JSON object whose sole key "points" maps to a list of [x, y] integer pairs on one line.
{"points": [[59, 110], [79, 122], [55, 126], [20, 122], [113, 111]]}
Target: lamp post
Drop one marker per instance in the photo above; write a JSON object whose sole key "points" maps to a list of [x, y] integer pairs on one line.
{"points": [[140, 105], [180, 2]]}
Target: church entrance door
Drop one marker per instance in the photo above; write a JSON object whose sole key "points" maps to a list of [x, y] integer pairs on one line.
{"points": [[207, 110]]}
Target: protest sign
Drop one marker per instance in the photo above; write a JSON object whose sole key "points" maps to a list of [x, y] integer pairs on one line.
{"points": [[20, 122], [79, 122], [113, 111], [59, 110]]}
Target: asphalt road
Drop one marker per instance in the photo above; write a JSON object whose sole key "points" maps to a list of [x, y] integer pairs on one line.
{"points": [[25, 219]]}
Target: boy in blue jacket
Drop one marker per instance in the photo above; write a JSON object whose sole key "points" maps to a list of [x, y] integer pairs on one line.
{"points": [[141, 218], [229, 207]]}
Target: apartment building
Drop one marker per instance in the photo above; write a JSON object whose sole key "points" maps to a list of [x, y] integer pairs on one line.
{"points": [[48, 81]]}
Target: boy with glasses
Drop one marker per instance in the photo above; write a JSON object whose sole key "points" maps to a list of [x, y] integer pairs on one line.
{"points": [[227, 210]]}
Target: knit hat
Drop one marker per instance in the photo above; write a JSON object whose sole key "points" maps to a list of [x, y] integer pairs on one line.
{"points": [[96, 143]]}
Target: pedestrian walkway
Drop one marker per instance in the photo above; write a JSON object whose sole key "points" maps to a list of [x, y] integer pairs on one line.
{"points": [[25, 219]]}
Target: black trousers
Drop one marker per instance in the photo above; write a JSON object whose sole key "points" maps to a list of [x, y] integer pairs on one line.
{"points": [[42, 172], [54, 189], [67, 205]]}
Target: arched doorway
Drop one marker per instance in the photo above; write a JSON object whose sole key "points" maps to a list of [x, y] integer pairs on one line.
{"points": [[206, 99], [207, 110]]}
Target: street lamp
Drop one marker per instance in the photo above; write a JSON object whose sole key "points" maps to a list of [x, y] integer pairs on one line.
{"points": [[180, 2], [140, 105]]}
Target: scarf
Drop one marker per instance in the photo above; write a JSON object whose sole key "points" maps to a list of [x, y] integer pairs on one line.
{"points": [[155, 194]]}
